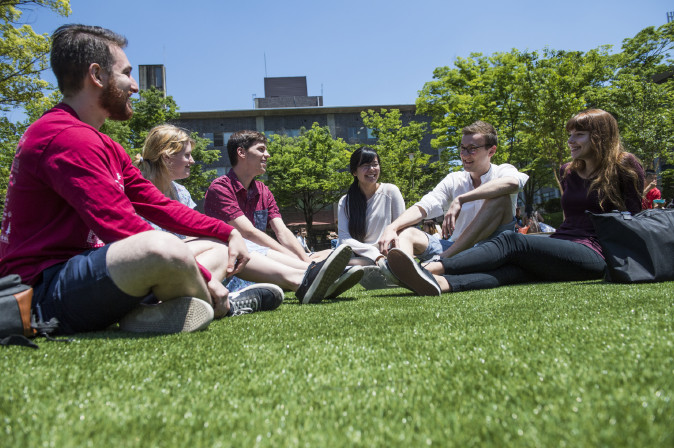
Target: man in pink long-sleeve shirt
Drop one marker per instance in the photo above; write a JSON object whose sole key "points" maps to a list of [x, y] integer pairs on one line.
{"points": [[72, 225]]}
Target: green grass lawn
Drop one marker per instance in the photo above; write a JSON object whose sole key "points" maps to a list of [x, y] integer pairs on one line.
{"points": [[570, 364]]}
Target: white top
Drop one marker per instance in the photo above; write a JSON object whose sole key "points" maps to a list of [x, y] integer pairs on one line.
{"points": [[383, 208], [459, 182]]}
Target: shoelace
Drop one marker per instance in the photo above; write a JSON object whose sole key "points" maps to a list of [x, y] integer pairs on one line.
{"points": [[241, 311]]}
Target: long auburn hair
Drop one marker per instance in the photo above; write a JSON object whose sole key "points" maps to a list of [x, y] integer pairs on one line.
{"points": [[612, 159], [356, 204], [164, 139]]}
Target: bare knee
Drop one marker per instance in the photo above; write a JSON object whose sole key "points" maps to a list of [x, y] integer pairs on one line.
{"points": [[415, 239], [499, 207]]}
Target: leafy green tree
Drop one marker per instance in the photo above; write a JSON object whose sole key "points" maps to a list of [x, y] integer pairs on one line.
{"points": [[644, 109], [23, 53], [150, 110], [527, 96], [402, 162], [310, 171], [23, 56]]}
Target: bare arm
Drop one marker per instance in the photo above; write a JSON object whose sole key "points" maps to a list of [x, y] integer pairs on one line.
{"points": [[500, 186], [410, 217]]}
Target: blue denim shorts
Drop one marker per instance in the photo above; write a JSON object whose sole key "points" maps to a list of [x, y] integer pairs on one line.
{"points": [[81, 294], [437, 245]]}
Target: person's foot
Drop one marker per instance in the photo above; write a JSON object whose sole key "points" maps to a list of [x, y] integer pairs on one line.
{"points": [[319, 276], [349, 278], [183, 314], [256, 297], [411, 274], [382, 263]]}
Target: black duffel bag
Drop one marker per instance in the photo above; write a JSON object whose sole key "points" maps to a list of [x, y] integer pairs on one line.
{"points": [[637, 248]]}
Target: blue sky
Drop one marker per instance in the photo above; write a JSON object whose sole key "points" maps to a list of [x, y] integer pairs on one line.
{"points": [[366, 52]]}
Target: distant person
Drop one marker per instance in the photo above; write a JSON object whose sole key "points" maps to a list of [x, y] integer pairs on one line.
{"points": [[651, 191], [600, 177], [302, 238], [481, 203], [368, 207]]}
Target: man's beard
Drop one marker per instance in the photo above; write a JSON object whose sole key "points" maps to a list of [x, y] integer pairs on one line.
{"points": [[116, 102]]}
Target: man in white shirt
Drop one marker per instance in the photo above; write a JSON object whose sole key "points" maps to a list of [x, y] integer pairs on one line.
{"points": [[481, 202]]}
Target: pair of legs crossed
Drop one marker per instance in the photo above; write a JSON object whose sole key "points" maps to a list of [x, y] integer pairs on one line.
{"points": [[94, 290], [512, 258]]}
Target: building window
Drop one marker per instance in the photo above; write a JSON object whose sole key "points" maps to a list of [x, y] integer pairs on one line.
{"points": [[209, 136], [218, 139]]}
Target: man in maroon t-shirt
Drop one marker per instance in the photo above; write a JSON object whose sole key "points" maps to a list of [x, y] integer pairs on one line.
{"points": [[72, 225], [247, 204]]}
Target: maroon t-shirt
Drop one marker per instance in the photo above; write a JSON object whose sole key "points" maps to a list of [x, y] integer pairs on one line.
{"points": [[227, 199], [72, 189], [577, 225]]}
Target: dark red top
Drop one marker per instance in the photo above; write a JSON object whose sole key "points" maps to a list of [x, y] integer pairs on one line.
{"points": [[227, 199], [577, 225], [72, 189]]}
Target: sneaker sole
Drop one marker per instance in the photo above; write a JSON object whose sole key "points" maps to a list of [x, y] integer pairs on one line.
{"points": [[180, 315], [410, 274], [276, 290], [351, 279], [331, 270]]}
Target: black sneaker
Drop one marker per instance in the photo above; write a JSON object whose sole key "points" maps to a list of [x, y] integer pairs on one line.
{"points": [[319, 276], [411, 274], [257, 297], [349, 278]]}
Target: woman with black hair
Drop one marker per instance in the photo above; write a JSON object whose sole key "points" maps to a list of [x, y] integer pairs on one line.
{"points": [[367, 208]]}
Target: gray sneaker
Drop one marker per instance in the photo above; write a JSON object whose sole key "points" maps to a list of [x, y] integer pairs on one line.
{"points": [[386, 272], [412, 275], [256, 297], [184, 314], [349, 278], [319, 276]]}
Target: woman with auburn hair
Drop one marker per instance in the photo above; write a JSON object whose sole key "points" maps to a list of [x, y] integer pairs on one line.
{"points": [[600, 177], [367, 208]]}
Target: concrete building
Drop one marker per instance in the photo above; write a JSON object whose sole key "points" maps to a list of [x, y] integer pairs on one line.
{"points": [[152, 76]]}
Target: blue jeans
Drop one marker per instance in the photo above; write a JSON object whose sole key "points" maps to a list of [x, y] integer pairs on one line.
{"points": [[513, 258], [81, 294]]}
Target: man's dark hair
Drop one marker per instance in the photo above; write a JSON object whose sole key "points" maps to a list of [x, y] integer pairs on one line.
{"points": [[650, 172], [483, 128], [75, 48], [243, 139]]}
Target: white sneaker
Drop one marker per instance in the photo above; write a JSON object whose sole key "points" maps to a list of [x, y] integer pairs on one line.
{"points": [[386, 272], [181, 315], [349, 278]]}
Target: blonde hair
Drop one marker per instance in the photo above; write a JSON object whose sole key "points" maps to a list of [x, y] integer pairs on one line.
{"points": [[164, 139], [611, 157]]}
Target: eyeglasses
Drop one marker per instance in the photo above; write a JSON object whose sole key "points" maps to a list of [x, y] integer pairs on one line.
{"points": [[367, 166], [472, 150]]}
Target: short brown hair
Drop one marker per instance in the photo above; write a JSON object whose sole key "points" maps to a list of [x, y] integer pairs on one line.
{"points": [[75, 48], [482, 128], [243, 139]]}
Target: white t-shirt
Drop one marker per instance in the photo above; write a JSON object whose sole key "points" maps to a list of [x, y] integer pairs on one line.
{"points": [[459, 182], [383, 208]]}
